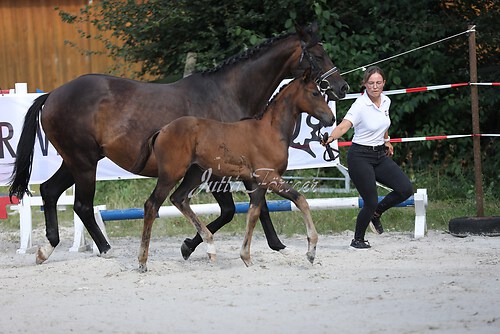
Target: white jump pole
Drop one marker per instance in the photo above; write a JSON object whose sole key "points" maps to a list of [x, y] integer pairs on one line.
{"points": [[418, 200]]}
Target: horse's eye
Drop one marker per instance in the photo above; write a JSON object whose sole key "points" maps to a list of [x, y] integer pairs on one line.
{"points": [[315, 93], [318, 57]]}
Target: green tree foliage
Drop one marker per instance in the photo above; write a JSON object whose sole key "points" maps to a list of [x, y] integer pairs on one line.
{"points": [[159, 34]]}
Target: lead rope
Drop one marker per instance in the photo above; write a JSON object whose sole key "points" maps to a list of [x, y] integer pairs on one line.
{"points": [[330, 153], [473, 28]]}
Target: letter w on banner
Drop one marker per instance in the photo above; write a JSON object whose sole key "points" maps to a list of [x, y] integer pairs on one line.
{"points": [[305, 151]]}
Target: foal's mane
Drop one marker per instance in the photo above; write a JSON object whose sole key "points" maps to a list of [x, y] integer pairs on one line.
{"points": [[247, 54]]}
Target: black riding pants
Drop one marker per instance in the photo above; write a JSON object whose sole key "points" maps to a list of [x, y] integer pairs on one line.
{"points": [[367, 165]]}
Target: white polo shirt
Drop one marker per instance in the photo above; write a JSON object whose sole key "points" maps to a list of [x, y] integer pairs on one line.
{"points": [[369, 121]]}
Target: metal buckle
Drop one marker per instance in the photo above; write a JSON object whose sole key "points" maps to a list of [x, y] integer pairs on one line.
{"points": [[324, 85]]}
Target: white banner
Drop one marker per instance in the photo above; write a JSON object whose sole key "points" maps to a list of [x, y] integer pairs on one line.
{"points": [[305, 152]]}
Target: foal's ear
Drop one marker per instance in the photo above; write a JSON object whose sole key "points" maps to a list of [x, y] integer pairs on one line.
{"points": [[307, 76]]}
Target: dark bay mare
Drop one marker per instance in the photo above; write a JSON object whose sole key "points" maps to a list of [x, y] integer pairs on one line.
{"points": [[97, 116], [252, 150]]}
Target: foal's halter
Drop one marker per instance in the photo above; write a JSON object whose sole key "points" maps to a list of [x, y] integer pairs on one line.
{"points": [[324, 87], [323, 84]]}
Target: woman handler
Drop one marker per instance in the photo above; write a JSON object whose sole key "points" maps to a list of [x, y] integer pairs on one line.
{"points": [[368, 158]]}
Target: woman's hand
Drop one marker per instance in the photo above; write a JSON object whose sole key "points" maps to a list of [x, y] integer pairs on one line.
{"points": [[328, 140], [390, 149], [338, 132]]}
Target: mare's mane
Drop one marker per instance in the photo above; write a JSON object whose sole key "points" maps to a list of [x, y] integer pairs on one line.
{"points": [[272, 101], [247, 54]]}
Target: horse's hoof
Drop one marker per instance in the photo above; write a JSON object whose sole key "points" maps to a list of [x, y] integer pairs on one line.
{"points": [[107, 254], [185, 250], [311, 256], [212, 257], [284, 251], [143, 268], [277, 247], [211, 252], [43, 253], [40, 258], [247, 261]]}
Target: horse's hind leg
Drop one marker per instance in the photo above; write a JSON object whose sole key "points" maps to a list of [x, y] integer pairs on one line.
{"points": [[267, 225], [50, 191], [84, 203], [285, 190], [193, 178]]}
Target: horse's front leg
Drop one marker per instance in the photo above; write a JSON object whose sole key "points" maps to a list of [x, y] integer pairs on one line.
{"points": [[182, 203], [312, 234], [283, 189], [267, 225], [151, 207], [257, 196]]}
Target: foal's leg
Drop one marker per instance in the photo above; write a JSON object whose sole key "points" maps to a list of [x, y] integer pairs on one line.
{"points": [[224, 198], [203, 231], [283, 189], [151, 207], [50, 191], [183, 193], [257, 196]]}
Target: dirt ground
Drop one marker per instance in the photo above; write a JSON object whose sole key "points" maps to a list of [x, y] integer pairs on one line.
{"points": [[435, 284]]}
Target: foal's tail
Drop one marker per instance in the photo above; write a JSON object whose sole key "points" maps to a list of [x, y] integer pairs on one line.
{"points": [[144, 153], [25, 149]]}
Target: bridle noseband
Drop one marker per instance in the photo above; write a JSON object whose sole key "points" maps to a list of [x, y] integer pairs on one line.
{"points": [[323, 84]]}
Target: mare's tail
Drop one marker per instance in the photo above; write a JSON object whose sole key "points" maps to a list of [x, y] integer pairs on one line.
{"points": [[25, 149], [144, 153]]}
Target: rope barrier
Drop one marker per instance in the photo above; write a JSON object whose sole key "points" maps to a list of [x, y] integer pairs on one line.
{"points": [[427, 138], [473, 28], [423, 89], [484, 83], [426, 88]]}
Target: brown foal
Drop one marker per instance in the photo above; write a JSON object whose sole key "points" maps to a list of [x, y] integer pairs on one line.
{"points": [[252, 150]]}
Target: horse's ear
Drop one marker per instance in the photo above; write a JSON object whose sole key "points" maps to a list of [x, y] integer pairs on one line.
{"points": [[311, 75], [307, 75], [308, 35], [313, 28]]}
